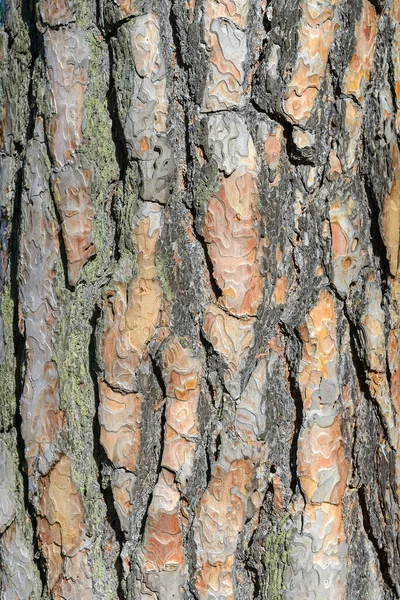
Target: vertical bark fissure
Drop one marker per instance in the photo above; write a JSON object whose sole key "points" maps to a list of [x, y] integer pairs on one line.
{"points": [[379, 549], [292, 367], [100, 456], [360, 369]]}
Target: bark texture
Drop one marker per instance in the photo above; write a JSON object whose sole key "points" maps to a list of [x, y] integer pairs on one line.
{"points": [[199, 299]]}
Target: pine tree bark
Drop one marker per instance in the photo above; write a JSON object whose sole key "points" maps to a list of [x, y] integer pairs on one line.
{"points": [[199, 299]]}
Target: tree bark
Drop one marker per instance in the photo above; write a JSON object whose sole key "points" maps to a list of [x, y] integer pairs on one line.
{"points": [[200, 299]]}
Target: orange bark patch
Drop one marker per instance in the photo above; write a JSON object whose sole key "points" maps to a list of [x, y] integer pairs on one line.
{"points": [[319, 350], [118, 355], [391, 214], [67, 56], [220, 520], [340, 241], [359, 70], [272, 148], [216, 580], [128, 7], [57, 12], [327, 522], [232, 339], [316, 34], [182, 376], [163, 547], [322, 463], [279, 293], [71, 187], [120, 422], [278, 487], [133, 311], [62, 533], [272, 152], [319, 543], [234, 245], [335, 168]]}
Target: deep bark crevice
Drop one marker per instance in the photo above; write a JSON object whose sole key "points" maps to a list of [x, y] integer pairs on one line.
{"points": [[117, 129], [99, 455], [379, 548], [61, 245], [36, 48], [292, 368], [377, 243], [360, 370]]}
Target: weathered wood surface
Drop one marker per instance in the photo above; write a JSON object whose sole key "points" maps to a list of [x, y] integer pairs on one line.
{"points": [[199, 299]]}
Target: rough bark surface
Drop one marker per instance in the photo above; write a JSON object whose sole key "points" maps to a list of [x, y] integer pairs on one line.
{"points": [[199, 299]]}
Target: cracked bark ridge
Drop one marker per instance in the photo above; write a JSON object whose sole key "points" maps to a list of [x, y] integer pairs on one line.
{"points": [[6, 177], [318, 552], [117, 11], [225, 39], [390, 230], [57, 12], [16, 575], [145, 126], [232, 223], [316, 34], [130, 320], [5, 191], [62, 532], [163, 563], [234, 493], [67, 58], [39, 253], [132, 311], [349, 254]]}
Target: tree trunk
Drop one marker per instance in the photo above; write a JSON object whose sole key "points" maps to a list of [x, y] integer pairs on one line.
{"points": [[200, 299]]}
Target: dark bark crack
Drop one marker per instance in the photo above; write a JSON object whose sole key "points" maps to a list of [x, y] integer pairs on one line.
{"points": [[379, 548], [100, 457]]}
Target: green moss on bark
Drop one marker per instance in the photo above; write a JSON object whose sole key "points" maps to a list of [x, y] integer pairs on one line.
{"points": [[162, 272], [98, 150], [8, 368], [275, 559]]}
